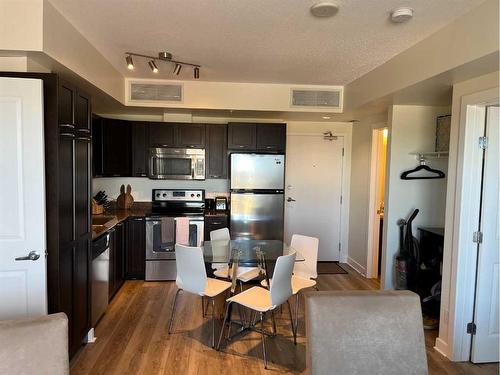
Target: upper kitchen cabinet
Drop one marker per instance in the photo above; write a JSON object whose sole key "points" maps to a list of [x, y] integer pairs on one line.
{"points": [[82, 112], [139, 132], [161, 134], [216, 151], [256, 137], [241, 136], [116, 148], [190, 135], [97, 146], [271, 137], [66, 95]]}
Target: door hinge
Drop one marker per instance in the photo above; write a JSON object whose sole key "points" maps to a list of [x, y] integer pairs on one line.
{"points": [[483, 143], [477, 237], [340, 247], [342, 151], [341, 199], [471, 328]]}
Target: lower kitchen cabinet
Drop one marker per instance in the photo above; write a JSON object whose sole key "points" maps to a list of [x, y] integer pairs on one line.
{"points": [[116, 259], [135, 255], [214, 222]]}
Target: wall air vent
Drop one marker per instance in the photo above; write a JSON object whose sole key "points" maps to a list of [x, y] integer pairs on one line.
{"points": [[151, 92], [331, 99]]}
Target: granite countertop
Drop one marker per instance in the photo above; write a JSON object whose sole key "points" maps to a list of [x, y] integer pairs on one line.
{"points": [[116, 217]]}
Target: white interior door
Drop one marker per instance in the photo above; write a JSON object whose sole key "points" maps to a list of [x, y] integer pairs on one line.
{"points": [[313, 190], [23, 290], [485, 343]]}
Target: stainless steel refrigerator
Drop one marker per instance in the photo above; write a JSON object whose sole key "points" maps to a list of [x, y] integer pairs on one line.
{"points": [[257, 196]]}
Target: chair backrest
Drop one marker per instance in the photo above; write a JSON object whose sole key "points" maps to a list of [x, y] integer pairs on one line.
{"points": [[308, 248], [220, 234], [191, 272], [281, 285], [391, 319]]}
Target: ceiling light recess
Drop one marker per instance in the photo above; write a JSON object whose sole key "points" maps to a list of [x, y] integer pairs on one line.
{"points": [[402, 14], [324, 9], [165, 57]]}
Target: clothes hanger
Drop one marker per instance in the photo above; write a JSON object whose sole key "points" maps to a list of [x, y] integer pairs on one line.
{"points": [[438, 174]]}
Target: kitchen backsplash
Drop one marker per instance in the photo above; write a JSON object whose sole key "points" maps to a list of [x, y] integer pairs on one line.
{"points": [[141, 187]]}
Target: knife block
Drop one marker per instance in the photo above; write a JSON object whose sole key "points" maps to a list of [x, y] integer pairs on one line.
{"points": [[96, 209]]}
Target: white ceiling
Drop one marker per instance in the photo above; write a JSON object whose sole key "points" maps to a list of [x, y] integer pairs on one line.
{"points": [[274, 41]]}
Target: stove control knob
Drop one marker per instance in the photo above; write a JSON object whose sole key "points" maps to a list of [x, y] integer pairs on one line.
{"points": [[192, 195], [198, 195], [157, 195], [164, 194]]}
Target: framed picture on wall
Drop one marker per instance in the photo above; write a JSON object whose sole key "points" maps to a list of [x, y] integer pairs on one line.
{"points": [[443, 124]]}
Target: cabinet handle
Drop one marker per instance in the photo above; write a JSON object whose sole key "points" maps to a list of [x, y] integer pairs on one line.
{"points": [[241, 146], [84, 130], [215, 176], [67, 135], [86, 139], [116, 175], [165, 145], [70, 126], [138, 219], [268, 147], [216, 223]]}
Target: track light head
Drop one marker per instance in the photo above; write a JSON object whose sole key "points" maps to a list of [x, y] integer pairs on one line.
{"points": [[196, 72], [130, 62], [177, 69], [165, 56], [153, 66]]}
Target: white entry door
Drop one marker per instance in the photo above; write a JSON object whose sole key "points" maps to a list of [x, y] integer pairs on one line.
{"points": [[23, 290], [485, 343], [313, 191]]}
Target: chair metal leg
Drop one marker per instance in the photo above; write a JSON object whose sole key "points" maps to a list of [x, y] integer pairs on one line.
{"points": [[241, 286], [274, 323], [263, 340], [202, 306], [213, 322], [223, 325], [297, 299], [294, 327], [173, 312]]}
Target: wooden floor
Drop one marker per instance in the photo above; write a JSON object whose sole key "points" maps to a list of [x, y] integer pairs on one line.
{"points": [[132, 338]]}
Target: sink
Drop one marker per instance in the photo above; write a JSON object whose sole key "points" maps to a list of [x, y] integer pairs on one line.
{"points": [[102, 220]]}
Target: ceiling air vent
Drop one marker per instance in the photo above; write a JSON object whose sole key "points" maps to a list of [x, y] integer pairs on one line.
{"points": [[316, 98], [155, 92]]}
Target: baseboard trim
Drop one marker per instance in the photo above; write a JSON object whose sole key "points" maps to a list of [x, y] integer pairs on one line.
{"points": [[441, 347], [356, 266]]}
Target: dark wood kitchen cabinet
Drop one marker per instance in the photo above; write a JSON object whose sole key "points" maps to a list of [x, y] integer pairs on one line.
{"points": [[216, 151], [116, 148], [67, 195], [271, 137], [140, 150], [97, 166], [257, 137], [116, 258], [135, 257], [214, 222], [161, 134], [241, 136], [190, 135]]}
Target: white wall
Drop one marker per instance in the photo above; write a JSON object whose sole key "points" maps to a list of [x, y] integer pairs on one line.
{"points": [[360, 189], [411, 129], [141, 187], [21, 25], [451, 280]]}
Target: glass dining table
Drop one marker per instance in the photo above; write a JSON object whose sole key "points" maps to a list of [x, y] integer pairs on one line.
{"points": [[222, 251]]}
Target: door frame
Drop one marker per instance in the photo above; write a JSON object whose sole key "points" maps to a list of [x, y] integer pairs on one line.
{"points": [[464, 222], [372, 255], [345, 186]]}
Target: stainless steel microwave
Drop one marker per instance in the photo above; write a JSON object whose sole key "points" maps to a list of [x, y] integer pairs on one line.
{"points": [[177, 164]]}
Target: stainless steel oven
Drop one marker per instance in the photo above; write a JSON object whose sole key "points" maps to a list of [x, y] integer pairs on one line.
{"points": [[177, 163], [169, 208]]}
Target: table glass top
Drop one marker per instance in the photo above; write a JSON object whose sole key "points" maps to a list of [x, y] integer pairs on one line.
{"points": [[220, 251]]}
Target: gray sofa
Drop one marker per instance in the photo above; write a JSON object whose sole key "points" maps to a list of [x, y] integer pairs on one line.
{"points": [[364, 332], [34, 346]]}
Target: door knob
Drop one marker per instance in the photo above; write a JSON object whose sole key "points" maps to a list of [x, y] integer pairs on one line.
{"points": [[33, 255], [290, 199]]}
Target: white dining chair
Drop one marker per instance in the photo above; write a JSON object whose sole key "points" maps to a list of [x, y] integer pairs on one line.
{"points": [[262, 300], [304, 272], [192, 278], [222, 270]]}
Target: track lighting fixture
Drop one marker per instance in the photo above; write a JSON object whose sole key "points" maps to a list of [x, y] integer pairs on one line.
{"points": [[153, 66], [165, 57], [130, 62], [177, 69]]}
